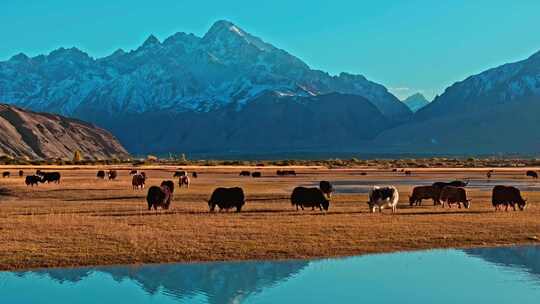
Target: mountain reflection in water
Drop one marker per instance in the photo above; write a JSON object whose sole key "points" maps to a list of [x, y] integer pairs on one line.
{"points": [[219, 282], [485, 275], [525, 258]]}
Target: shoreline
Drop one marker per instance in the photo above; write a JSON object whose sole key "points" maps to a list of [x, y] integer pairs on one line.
{"points": [[315, 258]]}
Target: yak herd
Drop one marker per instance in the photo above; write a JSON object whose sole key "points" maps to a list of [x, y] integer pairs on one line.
{"points": [[379, 198], [441, 193]]}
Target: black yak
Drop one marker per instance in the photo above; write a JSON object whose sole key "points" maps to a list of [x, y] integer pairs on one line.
{"points": [[32, 180], [507, 195], [309, 197], [227, 198], [424, 192], [159, 196], [454, 195], [532, 174], [138, 181], [50, 177]]}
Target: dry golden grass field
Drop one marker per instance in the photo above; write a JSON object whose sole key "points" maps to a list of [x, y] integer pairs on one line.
{"points": [[86, 221]]}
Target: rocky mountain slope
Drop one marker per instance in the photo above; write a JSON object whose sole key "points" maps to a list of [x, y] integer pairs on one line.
{"points": [[415, 102], [42, 136], [270, 123], [508, 84], [493, 112]]}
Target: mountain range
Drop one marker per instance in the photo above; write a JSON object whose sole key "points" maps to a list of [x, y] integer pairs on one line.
{"points": [[42, 136], [493, 112], [207, 93], [230, 91]]}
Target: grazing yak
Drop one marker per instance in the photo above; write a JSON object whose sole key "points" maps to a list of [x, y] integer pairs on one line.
{"points": [[194, 174], [138, 181], [227, 198], [133, 172], [113, 174], [245, 173], [100, 174], [5, 174], [382, 197], [160, 196], [21, 173], [454, 195], [424, 192], [326, 188], [532, 174], [309, 197], [256, 174], [32, 180], [179, 173], [184, 181], [50, 177], [507, 195], [408, 172]]}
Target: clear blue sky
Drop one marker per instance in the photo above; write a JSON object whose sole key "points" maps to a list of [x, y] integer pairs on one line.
{"points": [[407, 45]]}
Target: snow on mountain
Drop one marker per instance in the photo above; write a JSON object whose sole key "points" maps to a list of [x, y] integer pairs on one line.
{"points": [[183, 73], [506, 84]]}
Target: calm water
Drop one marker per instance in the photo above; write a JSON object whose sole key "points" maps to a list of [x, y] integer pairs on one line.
{"points": [[500, 275]]}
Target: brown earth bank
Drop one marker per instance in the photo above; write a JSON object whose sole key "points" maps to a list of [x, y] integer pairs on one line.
{"points": [[88, 221], [30, 135]]}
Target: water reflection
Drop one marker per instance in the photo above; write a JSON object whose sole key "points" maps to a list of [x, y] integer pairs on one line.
{"points": [[526, 258], [217, 282], [498, 275]]}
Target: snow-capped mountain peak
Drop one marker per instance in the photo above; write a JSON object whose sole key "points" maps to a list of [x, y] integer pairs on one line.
{"points": [[226, 66]]}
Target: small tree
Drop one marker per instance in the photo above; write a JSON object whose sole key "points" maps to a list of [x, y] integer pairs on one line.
{"points": [[77, 156]]}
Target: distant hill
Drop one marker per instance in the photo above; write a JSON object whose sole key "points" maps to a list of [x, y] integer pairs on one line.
{"points": [[509, 84], [271, 122], [493, 112], [415, 102], [41, 136]]}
